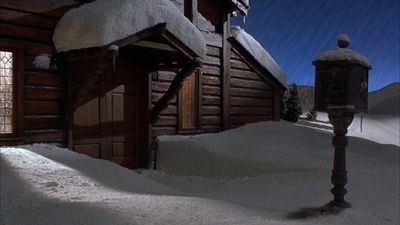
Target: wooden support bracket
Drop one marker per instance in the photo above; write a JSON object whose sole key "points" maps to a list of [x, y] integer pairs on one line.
{"points": [[173, 89]]}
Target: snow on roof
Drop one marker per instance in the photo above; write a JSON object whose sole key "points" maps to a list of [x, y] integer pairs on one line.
{"points": [[102, 22], [259, 53], [343, 54]]}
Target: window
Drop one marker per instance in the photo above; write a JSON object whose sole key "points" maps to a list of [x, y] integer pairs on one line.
{"points": [[7, 106], [11, 92], [189, 105]]}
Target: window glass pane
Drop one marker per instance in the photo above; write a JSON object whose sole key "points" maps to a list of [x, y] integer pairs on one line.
{"points": [[6, 92]]}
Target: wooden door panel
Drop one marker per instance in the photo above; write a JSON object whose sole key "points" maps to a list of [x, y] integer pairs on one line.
{"points": [[86, 119], [118, 149], [117, 107], [92, 150], [123, 149], [125, 154]]}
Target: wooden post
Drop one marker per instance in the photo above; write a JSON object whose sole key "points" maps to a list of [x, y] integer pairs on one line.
{"points": [[149, 141], [277, 96], [340, 119], [226, 74]]}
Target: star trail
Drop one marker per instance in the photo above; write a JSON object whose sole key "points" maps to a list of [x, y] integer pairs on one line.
{"points": [[296, 31]]}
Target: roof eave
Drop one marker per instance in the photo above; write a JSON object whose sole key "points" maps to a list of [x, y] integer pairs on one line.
{"points": [[239, 5]]}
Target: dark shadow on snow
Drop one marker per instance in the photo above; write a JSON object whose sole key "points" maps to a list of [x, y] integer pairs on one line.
{"points": [[312, 212]]}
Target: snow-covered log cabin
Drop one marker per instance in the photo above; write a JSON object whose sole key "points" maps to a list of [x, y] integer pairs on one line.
{"points": [[106, 77]]}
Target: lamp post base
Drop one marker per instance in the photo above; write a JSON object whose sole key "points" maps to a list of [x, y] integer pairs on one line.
{"points": [[339, 204]]}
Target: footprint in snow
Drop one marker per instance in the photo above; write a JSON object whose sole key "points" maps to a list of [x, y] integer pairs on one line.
{"points": [[51, 184]]}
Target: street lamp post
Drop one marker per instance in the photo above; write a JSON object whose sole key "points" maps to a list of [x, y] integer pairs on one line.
{"points": [[341, 90]]}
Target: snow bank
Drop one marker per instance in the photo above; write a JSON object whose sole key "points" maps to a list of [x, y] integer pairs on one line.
{"points": [[279, 166], [259, 53], [102, 22], [239, 152]]}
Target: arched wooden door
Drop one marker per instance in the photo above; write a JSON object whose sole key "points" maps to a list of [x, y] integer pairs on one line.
{"points": [[113, 125]]}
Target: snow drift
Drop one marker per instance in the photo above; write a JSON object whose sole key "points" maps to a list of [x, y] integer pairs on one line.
{"points": [[44, 184]]}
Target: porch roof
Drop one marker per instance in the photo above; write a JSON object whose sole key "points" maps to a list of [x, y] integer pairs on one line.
{"points": [[105, 22]]}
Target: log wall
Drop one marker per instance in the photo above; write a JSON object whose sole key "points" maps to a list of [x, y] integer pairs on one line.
{"points": [[168, 122], [211, 90], [30, 26], [251, 98]]}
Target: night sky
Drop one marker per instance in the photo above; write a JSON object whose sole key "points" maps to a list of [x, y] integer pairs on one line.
{"points": [[295, 31]]}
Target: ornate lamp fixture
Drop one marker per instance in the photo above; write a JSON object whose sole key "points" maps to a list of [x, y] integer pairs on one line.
{"points": [[341, 90]]}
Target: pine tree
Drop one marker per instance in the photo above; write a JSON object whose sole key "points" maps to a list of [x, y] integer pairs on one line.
{"points": [[293, 109]]}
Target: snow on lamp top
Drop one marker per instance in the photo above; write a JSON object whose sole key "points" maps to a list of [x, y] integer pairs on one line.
{"points": [[102, 22], [260, 54], [342, 53]]}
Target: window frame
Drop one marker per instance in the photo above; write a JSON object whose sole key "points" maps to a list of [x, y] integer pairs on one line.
{"points": [[18, 83], [198, 103]]}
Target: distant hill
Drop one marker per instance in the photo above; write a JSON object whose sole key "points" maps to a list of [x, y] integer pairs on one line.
{"points": [[385, 101], [306, 97]]}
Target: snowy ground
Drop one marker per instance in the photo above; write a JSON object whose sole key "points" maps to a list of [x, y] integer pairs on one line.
{"points": [[263, 173], [379, 128], [236, 177]]}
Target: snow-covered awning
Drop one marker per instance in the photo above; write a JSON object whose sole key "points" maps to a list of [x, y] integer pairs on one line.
{"points": [[255, 49], [241, 5], [103, 22]]}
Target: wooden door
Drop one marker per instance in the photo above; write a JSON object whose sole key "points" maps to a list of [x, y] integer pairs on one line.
{"points": [[122, 133], [110, 126]]}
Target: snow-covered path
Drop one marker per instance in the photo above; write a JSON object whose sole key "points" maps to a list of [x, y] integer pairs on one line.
{"points": [[205, 184]]}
